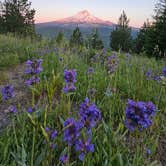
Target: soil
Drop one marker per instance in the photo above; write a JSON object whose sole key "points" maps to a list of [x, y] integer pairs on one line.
{"points": [[15, 77]]}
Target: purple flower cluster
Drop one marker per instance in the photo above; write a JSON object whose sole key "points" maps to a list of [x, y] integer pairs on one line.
{"points": [[64, 159], [89, 115], [112, 63], [12, 109], [52, 135], [84, 147], [90, 70], [70, 79], [139, 115], [33, 69], [7, 92], [32, 109], [72, 131]]}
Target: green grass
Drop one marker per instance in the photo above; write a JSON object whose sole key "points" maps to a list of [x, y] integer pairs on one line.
{"points": [[22, 143], [14, 50]]}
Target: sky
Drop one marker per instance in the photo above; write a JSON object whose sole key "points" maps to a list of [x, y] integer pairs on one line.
{"points": [[137, 11]]}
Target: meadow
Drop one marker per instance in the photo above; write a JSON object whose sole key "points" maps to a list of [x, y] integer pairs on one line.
{"points": [[82, 106]]}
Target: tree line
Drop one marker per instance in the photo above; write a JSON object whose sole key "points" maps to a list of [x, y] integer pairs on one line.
{"points": [[16, 16]]}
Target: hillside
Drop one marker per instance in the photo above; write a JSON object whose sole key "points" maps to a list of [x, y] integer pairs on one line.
{"points": [[85, 21]]}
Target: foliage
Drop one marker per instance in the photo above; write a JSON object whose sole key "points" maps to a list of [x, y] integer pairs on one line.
{"points": [[76, 38], [152, 37], [17, 17], [94, 41], [35, 136], [120, 38]]}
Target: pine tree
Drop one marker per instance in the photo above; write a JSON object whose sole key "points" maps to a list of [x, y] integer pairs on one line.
{"points": [[95, 41], [76, 38], [120, 38], [139, 42], [59, 37], [160, 26], [18, 17]]}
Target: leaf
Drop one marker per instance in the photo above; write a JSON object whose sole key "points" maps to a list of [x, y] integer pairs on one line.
{"points": [[40, 158], [31, 119], [45, 134]]}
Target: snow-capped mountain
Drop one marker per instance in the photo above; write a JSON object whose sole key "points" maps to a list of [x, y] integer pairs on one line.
{"points": [[84, 17]]}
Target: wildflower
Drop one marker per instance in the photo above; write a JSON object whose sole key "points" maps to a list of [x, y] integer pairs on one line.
{"points": [[12, 109], [149, 74], [47, 129], [33, 69], [90, 70], [92, 92], [53, 135], [64, 159], [32, 80], [7, 92], [69, 87], [70, 79], [112, 63], [89, 114], [139, 114], [31, 110], [70, 76], [84, 148], [164, 71], [72, 131]]}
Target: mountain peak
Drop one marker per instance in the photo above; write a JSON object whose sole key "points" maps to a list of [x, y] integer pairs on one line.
{"points": [[84, 17], [84, 12]]}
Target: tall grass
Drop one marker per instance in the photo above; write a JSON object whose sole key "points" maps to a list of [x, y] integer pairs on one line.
{"points": [[25, 142]]}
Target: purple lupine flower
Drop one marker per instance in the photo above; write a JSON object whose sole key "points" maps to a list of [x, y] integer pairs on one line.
{"points": [[53, 135], [92, 92], [70, 76], [112, 63], [164, 71], [53, 146], [90, 70], [7, 92], [47, 129], [32, 109], [69, 87], [139, 114], [33, 67], [33, 80], [72, 130], [70, 79], [12, 109], [64, 159], [149, 74], [84, 148], [89, 114], [156, 78], [148, 151]]}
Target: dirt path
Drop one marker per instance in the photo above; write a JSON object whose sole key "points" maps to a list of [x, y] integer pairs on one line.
{"points": [[15, 77]]}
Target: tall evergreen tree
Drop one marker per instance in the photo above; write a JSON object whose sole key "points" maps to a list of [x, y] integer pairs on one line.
{"points": [[95, 41], [76, 38], [120, 38], [160, 26], [18, 17], [59, 37]]}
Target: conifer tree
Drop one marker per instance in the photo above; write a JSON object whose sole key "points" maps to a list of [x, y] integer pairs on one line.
{"points": [[76, 38], [18, 17], [120, 38]]}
